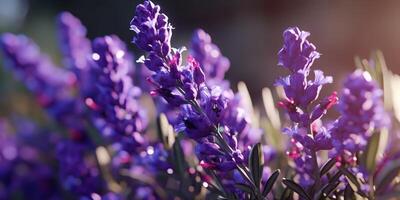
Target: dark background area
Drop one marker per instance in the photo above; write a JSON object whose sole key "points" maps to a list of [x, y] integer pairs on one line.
{"points": [[249, 33]]}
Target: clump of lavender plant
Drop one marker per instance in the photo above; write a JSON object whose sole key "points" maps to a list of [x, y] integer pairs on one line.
{"points": [[206, 115]]}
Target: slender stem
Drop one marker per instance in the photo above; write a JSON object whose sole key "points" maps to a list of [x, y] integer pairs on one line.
{"points": [[316, 174]]}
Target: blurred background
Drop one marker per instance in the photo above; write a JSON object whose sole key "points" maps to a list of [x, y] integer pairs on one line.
{"points": [[249, 33]]}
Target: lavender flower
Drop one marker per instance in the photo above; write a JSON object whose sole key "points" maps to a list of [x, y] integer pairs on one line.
{"points": [[301, 92], [118, 113], [48, 82], [213, 63], [22, 169], [51, 85], [79, 173], [206, 115], [77, 51], [361, 110], [308, 134], [297, 53], [74, 44]]}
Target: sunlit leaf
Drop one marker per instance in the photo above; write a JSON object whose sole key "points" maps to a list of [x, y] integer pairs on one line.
{"points": [[256, 163], [296, 188], [327, 166], [270, 182], [371, 152]]}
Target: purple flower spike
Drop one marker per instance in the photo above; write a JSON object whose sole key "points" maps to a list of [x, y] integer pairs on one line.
{"points": [[206, 114], [308, 135], [51, 85], [74, 44], [297, 53], [209, 56], [79, 174], [361, 110], [40, 75], [118, 112], [153, 32]]}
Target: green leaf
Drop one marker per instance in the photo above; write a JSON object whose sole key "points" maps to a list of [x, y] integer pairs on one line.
{"points": [[218, 183], [216, 191], [256, 163], [387, 174], [370, 155], [327, 190], [335, 177], [270, 182], [244, 188], [353, 181], [327, 166], [178, 158], [296, 188], [286, 194]]}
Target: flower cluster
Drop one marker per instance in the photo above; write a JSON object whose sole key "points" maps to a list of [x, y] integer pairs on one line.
{"points": [[362, 112], [297, 55], [23, 170], [207, 115], [118, 113]]}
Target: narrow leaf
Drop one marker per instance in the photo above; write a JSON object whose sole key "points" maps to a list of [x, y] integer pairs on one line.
{"points": [[216, 180], [354, 182], [270, 182], [179, 158], [387, 174], [370, 155], [216, 191], [335, 177], [286, 194], [355, 185], [327, 166], [328, 189], [296, 188], [256, 163]]}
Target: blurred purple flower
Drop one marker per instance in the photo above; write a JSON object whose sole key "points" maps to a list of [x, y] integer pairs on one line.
{"points": [[23, 170], [361, 110], [118, 114], [79, 173], [51, 85], [213, 63]]}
